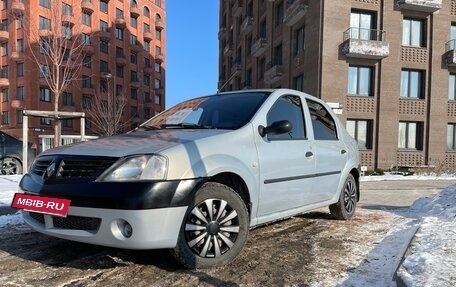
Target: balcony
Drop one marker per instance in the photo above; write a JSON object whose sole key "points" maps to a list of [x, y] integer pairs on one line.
{"points": [[260, 45], [237, 8], [159, 58], [135, 83], [222, 33], [134, 11], [428, 6], [148, 70], [236, 70], [296, 10], [4, 82], [365, 43], [228, 51], [17, 7], [148, 36], [121, 60], [120, 22], [87, 6], [159, 24], [247, 25], [136, 47], [17, 56], [450, 54], [4, 36], [88, 49], [273, 74], [44, 33], [68, 19], [105, 35]]}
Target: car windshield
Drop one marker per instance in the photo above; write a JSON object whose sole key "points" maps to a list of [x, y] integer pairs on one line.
{"points": [[223, 111]]}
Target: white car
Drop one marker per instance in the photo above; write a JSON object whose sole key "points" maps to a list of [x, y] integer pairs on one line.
{"points": [[198, 176]]}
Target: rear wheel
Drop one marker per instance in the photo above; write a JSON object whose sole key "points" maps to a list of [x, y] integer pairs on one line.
{"points": [[345, 207], [215, 228], [11, 166]]}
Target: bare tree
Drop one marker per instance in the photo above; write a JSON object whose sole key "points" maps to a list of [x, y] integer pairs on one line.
{"points": [[56, 47], [104, 109]]}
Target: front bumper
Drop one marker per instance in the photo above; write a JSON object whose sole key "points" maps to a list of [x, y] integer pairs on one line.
{"points": [[151, 228]]}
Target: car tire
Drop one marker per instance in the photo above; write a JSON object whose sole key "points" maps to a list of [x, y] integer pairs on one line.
{"points": [[11, 166], [210, 238], [345, 207]]}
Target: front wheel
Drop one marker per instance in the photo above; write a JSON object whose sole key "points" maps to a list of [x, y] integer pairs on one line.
{"points": [[214, 229], [11, 166], [345, 207]]}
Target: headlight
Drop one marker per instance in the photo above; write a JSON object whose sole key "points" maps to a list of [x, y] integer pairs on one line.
{"points": [[141, 167]]}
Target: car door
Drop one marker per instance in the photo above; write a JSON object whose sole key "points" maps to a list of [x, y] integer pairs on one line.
{"points": [[329, 151], [286, 160]]}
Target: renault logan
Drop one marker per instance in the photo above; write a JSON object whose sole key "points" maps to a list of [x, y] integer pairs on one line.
{"points": [[198, 176]]}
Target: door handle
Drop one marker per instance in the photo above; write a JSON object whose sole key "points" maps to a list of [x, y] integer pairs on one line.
{"points": [[309, 154], [343, 151]]}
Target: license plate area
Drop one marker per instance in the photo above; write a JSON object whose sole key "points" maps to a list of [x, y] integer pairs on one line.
{"points": [[41, 204]]}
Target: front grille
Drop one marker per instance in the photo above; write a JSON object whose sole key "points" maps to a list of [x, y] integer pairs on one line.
{"points": [[70, 222], [72, 167]]}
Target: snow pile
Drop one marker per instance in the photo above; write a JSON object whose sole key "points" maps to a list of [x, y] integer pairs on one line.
{"points": [[9, 186], [431, 258]]}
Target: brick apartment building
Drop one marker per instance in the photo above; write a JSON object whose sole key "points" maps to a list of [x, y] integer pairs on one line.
{"points": [[389, 64], [124, 49]]}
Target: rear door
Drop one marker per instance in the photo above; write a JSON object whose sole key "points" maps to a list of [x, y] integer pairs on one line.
{"points": [[330, 152], [286, 161]]}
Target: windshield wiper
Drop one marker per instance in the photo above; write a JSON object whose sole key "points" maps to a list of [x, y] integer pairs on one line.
{"points": [[185, 126]]}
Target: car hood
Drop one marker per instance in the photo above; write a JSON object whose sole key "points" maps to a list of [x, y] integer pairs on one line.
{"points": [[137, 142]]}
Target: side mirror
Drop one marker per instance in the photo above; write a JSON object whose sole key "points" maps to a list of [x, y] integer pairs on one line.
{"points": [[276, 128]]}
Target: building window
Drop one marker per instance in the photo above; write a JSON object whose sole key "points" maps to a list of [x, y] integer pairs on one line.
{"points": [[4, 4], [5, 118], [157, 67], [261, 68], [67, 99], [412, 85], [362, 25], [133, 40], [279, 13], [103, 26], [262, 32], [20, 117], [361, 131], [298, 83], [146, 28], [134, 93], [157, 99], [86, 101], [104, 6], [158, 51], [146, 113], [20, 93], [20, 45], [146, 46], [452, 87], [147, 98], [104, 67], [104, 46], [20, 69], [87, 61], [410, 135], [45, 94], [120, 52], [451, 137], [413, 33], [158, 35], [119, 14], [119, 71], [5, 49], [44, 23], [67, 32], [133, 22], [146, 12], [146, 80], [133, 76], [278, 55], [158, 3], [134, 112], [5, 95], [299, 41], [359, 81], [45, 3], [44, 70], [133, 58], [67, 9], [86, 18], [45, 121], [119, 34], [4, 72], [86, 82], [68, 123], [85, 38], [119, 90]]}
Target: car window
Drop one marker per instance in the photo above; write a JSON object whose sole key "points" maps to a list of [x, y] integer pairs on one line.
{"points": [[323, 124], [288, 108]]}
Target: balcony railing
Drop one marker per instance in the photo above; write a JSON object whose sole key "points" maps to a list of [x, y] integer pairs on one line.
{"points": [[247, 24], [450, 53], [296, 9], [365, 43], [259, 46], [429, 6]]}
